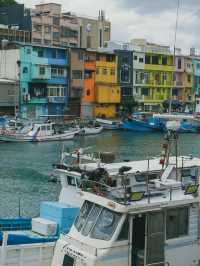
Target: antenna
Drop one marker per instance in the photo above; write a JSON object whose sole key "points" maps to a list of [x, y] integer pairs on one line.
{"points": [[175, 38]]}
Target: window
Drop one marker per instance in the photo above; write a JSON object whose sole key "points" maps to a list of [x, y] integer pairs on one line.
{"points": [[81, 218], [93, 215], [47, 29], [25, 70], [125, 60], [179, 63], [125, 74], [112, 71], [77, 74], [145, 91], [54, 53], [141, 60], [104, 71], [164, 60], [98, 57], [40, 53], [80, 56], [106, 225], [110, 58], [123, 235], [189, 78], [155, 60], [147, 59], [60, 71], [177, 222], [38, 41], [37, 27], [56, 35], [56, 91], [28, 51], [88, 92], [42, 70], [56, 21], [135, 57], [47, 42]]}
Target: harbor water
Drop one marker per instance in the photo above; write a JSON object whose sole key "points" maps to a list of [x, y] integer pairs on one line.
{"points": [[25, 168]]}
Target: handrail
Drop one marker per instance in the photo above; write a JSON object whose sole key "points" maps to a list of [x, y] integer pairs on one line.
{"points": [[157, 263]]}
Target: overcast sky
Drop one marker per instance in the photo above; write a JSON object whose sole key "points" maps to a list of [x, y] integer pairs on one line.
{"points": [[150, 19]]}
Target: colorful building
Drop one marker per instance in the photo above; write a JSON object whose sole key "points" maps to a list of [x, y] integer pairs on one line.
{"points": [[101, 92], [43, 81], [76, 66], [153, 70], [182, 90]]}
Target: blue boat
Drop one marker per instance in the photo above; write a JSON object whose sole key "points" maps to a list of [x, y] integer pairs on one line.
{"points": [[142, 122]]}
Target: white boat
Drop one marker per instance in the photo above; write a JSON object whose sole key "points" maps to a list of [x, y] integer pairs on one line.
{"points": [[152, 225], [38, 132], [91, 130], [109, 124]]}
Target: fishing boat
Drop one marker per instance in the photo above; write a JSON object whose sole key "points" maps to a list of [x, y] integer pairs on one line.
{"points": [[90, 128], [142, 122], [155, 223], [109, 124], [188, 123], [38, 132]]}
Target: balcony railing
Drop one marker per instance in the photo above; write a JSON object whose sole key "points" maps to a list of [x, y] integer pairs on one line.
{"points": [[56, 99]]}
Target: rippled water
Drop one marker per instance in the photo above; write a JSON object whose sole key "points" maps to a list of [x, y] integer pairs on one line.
{"points": [[25, 167]]}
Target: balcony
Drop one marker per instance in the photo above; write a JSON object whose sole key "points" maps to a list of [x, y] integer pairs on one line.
{"points": [[57, 99], [37, 100], [179, 83], [152, 67], [59, 62]]}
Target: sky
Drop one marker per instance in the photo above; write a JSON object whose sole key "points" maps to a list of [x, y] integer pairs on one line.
{"points": [[153, 20]]}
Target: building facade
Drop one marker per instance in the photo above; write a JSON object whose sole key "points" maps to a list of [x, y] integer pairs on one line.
{"points": [[182, 90], [9, 81], [43, 81], [76, 59], [101, 91], [52, 27], [94, 32], [153, 70]]}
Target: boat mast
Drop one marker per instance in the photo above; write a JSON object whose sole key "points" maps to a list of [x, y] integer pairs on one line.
{"points": [[174, 53]]}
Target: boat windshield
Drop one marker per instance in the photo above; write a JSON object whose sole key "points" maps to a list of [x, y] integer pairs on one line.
{"points": [[106, 225], [97, 221]]}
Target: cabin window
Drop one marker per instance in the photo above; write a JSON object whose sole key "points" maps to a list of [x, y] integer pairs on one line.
{"points": [[68, 261], [71, 181], [48, 128], [123, 235], [43, 128], [80, 220], [177, 222], [106, 225], [142, 177], [94, 213]]}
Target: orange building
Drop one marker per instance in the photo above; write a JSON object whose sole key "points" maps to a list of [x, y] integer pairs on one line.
{"points": [[101, 93]]}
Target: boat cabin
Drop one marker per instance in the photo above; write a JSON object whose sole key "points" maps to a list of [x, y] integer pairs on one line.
{"points": [[46, 129], [155, 226]]}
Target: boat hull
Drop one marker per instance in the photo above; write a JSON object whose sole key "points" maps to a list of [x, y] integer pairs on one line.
{"points": [[140, 126], [91, 131], [25, 138]]}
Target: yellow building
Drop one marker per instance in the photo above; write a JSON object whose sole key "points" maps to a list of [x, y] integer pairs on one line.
{"points": [[153, 70], [106, 90]]}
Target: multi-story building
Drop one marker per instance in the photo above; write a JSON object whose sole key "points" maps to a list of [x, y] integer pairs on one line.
{"points": [[43, 80], [124, 53], [76, 59], [182, 89], [15, 16], [94, 32], [153, 70], [52, 27], [101, 91], [9, 81]]}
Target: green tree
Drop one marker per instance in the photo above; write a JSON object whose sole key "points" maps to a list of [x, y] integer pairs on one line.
{"points": [[7, 2]]}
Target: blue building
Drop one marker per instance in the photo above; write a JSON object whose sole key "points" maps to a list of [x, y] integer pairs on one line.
{"points": [[43, 81]]}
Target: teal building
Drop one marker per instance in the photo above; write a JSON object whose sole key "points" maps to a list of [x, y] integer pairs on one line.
{"points": [[43, 81]]}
